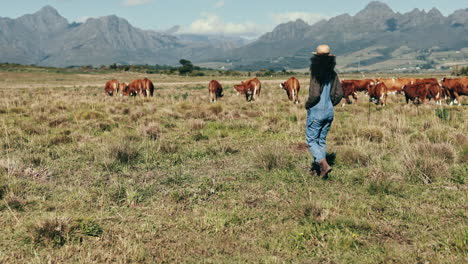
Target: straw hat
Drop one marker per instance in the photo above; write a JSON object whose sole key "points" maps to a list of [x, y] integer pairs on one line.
{"points": [[323, 50]]}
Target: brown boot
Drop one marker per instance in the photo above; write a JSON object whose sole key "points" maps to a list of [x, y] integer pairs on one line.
{"points": [[314, 170], [324, 168]]}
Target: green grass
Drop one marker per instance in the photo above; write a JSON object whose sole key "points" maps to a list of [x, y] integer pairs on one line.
{"points": [[88, 178]]}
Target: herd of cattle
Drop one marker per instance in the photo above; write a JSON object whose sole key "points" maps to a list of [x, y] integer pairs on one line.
{"points": [[415, 90]]}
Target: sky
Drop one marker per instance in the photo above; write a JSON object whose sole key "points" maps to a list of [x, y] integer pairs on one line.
{"points": [[229, 17]]}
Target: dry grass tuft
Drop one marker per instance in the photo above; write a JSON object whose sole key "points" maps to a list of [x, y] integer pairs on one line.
{"points": [[54, 232], [373, 134], [353, 157], [216, 109], [152, 131]]}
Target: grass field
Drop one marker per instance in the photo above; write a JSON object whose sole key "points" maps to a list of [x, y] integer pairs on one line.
{"points": [[87, 178]]}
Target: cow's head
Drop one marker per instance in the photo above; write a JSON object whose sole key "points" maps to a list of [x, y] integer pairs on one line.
{"points": [[110, 92], [372, 92], [240, 88], [121, 88]]}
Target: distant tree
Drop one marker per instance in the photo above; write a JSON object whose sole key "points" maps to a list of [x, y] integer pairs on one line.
{"points": [[187, 67], [113, 66], [464, 71], [392, 24]]}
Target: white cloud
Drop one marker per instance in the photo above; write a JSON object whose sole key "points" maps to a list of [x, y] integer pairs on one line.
{"points": [[219, 4], [136, 2], [213, 24], [310, 18]]}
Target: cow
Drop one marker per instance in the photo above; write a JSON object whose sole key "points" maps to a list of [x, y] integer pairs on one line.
{"points": [[455, 87], [251, 88], [134, 88], [378, 93], [215, 90], [122, 87], [139, 86], [292, 87], [349, 89], [112, 87], [395, 85], [147, 87], [416, 92], [362, 85]]}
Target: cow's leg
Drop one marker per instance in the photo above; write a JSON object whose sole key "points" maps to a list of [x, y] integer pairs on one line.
{"points": [[457, 97], [355, 97]]}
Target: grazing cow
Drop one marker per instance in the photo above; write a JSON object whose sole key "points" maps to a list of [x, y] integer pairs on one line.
{"points": [[122, 87], [147, 87], [416, 92], [362, 85], [349, 89], [434, 91], [251, 88], [455, 87], [112, 87], [134, 88], [395, 85], [378, 93], [427, 80], [216, 90], [292, 87]]}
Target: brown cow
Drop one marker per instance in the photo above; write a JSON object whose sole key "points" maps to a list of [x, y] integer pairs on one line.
{"points": [[122, 87], [416, 92], [112, 87], [140, 86], [147, 87], [455, 87], [361, 85], [349, 89], [133, 89], [216, 90], [292, 87], [378, 93], [251, 88], [395, 85], [434, 91]]}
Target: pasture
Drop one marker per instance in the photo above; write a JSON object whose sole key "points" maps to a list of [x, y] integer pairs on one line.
{"points": [[88, 178]]}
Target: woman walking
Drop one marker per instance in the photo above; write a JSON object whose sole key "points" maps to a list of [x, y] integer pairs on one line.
{"points": [[324, 93]]}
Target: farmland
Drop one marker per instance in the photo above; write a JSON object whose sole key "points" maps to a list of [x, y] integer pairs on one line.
{"points": [[88, 178]]}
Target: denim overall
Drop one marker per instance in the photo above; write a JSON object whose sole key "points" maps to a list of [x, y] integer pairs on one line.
{"points": [[319, 119]]}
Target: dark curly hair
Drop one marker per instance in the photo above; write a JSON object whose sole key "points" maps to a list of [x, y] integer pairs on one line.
{"points": [[322, 68]]}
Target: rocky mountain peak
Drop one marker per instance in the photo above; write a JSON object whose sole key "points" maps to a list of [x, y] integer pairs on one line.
{"points": [[290, 30], [375, 9]]}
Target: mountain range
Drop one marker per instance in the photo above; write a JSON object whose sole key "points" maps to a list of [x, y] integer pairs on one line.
{"points": [[374, 38]]}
